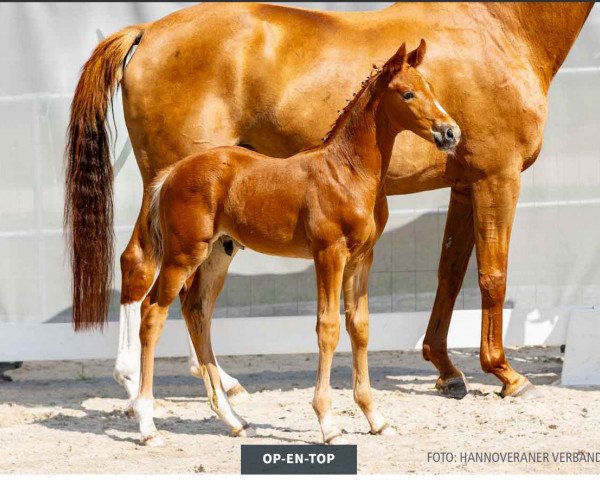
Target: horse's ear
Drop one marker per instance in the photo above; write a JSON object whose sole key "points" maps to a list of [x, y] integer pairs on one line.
{"points": [[395, 63], [415, 57]]}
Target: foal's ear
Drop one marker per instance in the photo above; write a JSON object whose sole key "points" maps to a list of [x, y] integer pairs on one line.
{"points": [[395, 63], [415, 57]]}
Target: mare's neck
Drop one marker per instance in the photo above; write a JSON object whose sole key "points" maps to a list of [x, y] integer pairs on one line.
{"points": [[364, 138], [549, 29]]}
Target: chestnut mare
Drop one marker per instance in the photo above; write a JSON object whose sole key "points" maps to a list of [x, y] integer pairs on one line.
{"points": [[253, 75], [327, 203]]}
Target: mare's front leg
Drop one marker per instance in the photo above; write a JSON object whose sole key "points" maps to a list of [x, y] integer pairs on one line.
{"points": [[329, 265], [197, 310], [456, 251], [356, 303], [494, 203]]}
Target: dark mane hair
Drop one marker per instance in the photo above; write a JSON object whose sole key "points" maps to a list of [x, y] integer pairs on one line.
{"points": [[345, 112]]}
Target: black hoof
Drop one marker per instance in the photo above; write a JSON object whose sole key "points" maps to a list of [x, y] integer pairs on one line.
{"points": [[453, 388]]}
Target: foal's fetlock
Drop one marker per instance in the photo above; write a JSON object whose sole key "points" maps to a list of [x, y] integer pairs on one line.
{"points": [[244, 431], [333, 436], [378, 424], [237, 394], [385, 430]]}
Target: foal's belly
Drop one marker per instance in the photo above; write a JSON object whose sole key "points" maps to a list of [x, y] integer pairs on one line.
{"points": [[268, 220], [296, 247]]}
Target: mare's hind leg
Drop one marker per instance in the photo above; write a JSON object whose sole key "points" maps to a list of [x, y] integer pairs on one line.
{"points": [[356, 303], [137, 271], [155, 309], [211, 283], [198, 314]]}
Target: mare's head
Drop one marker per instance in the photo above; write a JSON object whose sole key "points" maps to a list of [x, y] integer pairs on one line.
{"points": [[411, 104]]}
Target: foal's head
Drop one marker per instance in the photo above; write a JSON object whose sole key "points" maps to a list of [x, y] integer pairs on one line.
{"points": [[410, 102]]}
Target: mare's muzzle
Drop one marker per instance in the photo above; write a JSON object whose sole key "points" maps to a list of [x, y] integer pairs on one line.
{"points": [[446, 137]]}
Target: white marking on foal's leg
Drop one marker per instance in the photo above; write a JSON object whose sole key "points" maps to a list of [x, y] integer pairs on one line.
{"points": [[193, 362], [329, 430], [219, 403], [379, 425], [127, 365], [235, 391], [144, 411]]}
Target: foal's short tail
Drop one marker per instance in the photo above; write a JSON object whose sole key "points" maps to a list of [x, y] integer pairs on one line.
{"points": [[88, 215], [154, 214]]}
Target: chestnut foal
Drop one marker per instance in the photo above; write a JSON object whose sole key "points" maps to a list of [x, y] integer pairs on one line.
{"points": [[327, 203]]}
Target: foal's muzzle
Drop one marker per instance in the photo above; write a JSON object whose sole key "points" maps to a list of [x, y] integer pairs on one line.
{"points": [[446, 137]]}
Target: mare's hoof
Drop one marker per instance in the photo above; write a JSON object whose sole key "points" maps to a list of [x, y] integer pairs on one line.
{"points": [[526, 391], [237, 395], [154, 440], [453, 388]]}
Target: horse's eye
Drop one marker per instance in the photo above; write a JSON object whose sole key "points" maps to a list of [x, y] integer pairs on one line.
{"points": [[408, 95]]}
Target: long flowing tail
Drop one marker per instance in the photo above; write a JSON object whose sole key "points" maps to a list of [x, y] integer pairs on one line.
{"points": [[88, 215]]}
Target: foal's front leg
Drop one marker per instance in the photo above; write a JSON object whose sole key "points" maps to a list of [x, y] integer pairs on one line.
{"points": [[356, 303], [329, 264]]}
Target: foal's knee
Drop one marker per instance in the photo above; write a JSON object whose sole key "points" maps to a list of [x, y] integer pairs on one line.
{"points": [[328, 331], [357, 327]]}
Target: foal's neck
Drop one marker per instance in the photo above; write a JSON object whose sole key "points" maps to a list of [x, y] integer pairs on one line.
{"points": [[363, 138]]}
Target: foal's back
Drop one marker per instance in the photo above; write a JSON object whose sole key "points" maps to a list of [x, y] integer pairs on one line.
{"points": [[271, 205]]}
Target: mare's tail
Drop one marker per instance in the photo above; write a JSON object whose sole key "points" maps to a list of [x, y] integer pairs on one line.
{"points": [[88, 215]]}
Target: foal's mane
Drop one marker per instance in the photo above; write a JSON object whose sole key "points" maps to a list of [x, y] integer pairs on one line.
{"points": [[371, 79]]}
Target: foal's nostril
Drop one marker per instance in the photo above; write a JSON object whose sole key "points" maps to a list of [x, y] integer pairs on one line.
{"points": [[449, 134]]}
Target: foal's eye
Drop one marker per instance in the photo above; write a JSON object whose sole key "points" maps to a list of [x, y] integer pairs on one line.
{"points": [[408, 95]]}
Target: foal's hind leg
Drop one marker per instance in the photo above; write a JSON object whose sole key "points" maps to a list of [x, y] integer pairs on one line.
{"points": [[210, 285], [137, 271], [155, 309], [234, 389], [356, 304], [198, 315]]}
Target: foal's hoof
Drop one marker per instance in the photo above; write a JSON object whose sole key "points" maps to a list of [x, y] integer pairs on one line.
{"points": [[244, 431], [456, 387], [526, 391], [386, 430], [154, 440], [128, 410], [237, 395], [334, 437]]}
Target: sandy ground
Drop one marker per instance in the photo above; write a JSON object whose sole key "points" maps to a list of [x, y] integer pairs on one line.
{"points": [[65, 417]]}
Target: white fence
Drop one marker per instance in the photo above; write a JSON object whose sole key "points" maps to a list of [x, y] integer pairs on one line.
{"points": [[554, 261]]}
